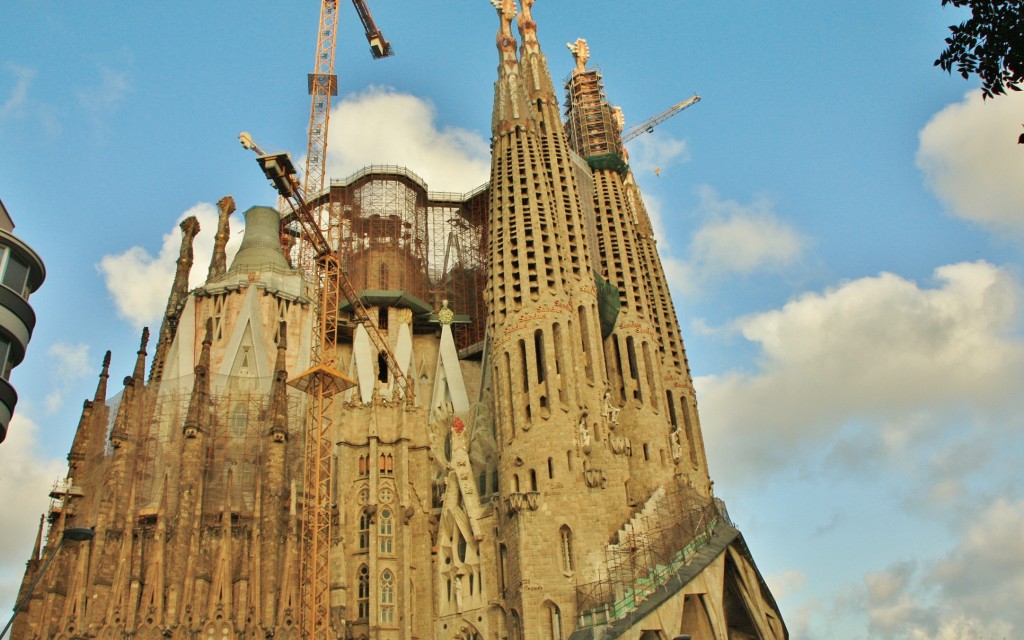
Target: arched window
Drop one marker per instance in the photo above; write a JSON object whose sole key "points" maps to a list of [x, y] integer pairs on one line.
{"points": [[554, 621], [363, 592], [364, 529], [516, 631], [363, 467], [566, 538], [387, 597], [386, 531]]}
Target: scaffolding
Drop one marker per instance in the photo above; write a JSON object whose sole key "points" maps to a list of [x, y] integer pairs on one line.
{"points": [[654, 546], [393, 234], [590, 123], [236, 440]]}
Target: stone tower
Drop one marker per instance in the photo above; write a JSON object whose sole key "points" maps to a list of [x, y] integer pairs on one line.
{"points": [[547, 482]]}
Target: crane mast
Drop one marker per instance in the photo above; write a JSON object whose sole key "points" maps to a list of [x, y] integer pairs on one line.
{"points": [[323, 85], [321, 382], [648, 125]]}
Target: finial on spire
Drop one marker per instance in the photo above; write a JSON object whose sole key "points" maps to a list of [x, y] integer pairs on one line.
{"points": [[527, 27], [101, 386], [140, 363], [218, 263], [507, 13], [580, 53]]}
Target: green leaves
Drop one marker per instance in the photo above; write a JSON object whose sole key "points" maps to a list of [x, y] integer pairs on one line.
{"points": [[989, 45]]}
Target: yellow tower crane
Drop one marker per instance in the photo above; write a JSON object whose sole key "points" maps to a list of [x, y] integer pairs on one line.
{"points": [[322, 381], [323, 84], [648, 125]]}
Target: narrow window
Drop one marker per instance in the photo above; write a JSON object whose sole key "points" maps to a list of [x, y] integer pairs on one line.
{"points": [[567, 560], [559, 373], [690, 444], [647, 453], [387, 597], [385, 531], [503, 565], [671, 408], [618, 370], [649, 367], [568, 459], [363, 592], [585, 339], [551, 468], [634, 368], [507, 384], [533, 480], [554, 622], [538, 351], [523, 363], [382, 368], [364, 529], [382, 318]]}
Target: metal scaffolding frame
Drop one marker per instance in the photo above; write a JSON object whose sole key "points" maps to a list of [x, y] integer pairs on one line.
{"points": [[654, 546], [393, 234], [589, 122]]}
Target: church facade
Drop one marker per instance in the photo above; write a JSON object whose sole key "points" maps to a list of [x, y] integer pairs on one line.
{"points": [[548, 481]]}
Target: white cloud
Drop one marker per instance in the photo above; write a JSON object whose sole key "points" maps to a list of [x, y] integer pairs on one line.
{"points": [[892, 359], [741, 239], [15, 101], [140, 283], [985, 572], [104, 96], [656, 152], [71, 363], [973, 592], [26, 477], [970, 158], [383, 126]]}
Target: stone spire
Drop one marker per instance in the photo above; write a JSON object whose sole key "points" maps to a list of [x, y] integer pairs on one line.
{"points": [[219, 260], [176, 299], [185, 541], [647, 361], [80, 445], [508, 113], [558, 166], [198, 417], [133, 385], [273, 489], [546, 360], [101, 386]]}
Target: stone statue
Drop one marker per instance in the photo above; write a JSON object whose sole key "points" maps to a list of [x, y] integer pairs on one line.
{"points": [[608, 410], [677, 447], [584, 432]]}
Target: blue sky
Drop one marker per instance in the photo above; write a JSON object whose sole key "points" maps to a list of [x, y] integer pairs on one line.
{"points": [[840, 221]]}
